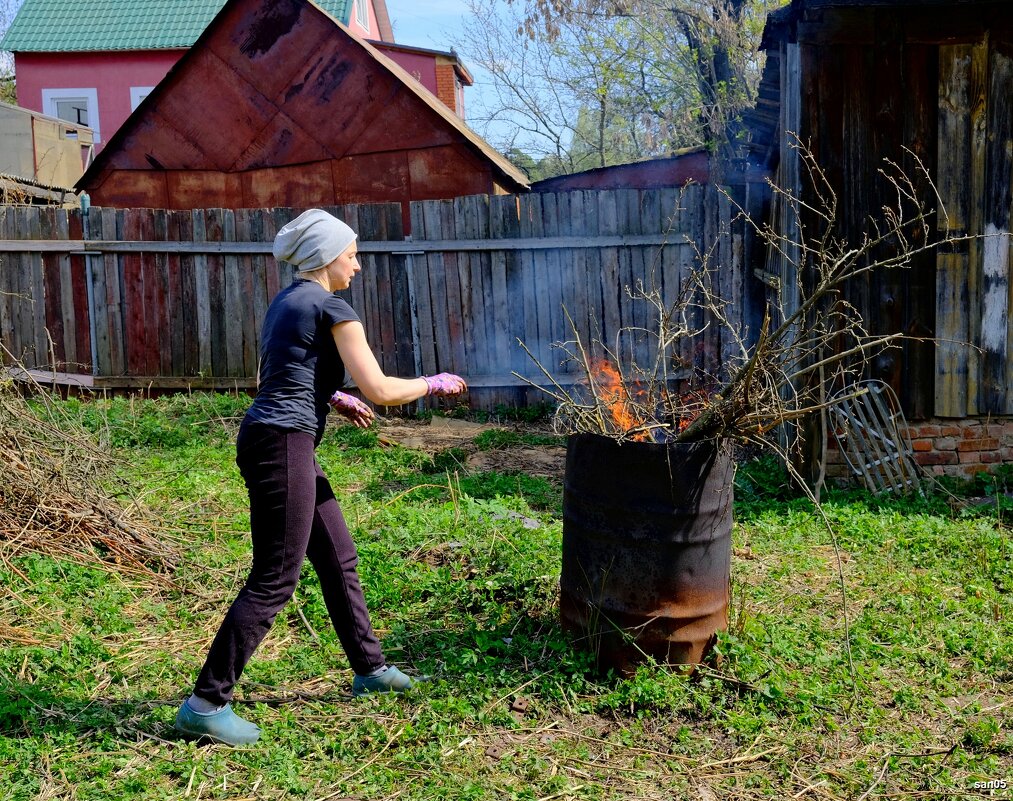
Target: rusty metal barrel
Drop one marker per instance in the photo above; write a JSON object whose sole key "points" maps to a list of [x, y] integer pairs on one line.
{"points": [[646, 549]]}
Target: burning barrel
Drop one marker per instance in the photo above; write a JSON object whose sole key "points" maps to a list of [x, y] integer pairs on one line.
{"points": [[646, 548]]}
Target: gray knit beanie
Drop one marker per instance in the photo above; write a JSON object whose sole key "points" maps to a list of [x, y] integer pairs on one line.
{"points": [[312, 240]]}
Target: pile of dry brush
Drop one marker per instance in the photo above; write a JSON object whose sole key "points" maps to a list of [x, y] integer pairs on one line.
{"points": [[58, 493], [812, 345]]}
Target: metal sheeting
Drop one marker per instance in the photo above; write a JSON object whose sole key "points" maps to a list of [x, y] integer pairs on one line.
{"points": [[279, 87]]}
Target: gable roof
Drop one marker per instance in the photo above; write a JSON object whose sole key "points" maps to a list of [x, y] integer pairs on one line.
{"points": [[51, 26], [275, 74]]}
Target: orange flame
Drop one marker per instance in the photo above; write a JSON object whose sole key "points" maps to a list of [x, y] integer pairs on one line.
{"points": [[692, 404], [611, 391]]}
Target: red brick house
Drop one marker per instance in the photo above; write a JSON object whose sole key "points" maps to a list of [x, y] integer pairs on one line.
{"points": [[92, 62]]}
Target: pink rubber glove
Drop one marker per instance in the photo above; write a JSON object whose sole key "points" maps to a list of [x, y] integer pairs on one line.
{"points": [[444, 384], [350, 407]]}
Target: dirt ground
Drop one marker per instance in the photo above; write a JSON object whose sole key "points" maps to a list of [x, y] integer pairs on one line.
{"points": [[442, 433]]}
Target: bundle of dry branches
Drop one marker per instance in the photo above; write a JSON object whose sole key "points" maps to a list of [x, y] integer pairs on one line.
{"points": [[57, 490], [812, 342]]}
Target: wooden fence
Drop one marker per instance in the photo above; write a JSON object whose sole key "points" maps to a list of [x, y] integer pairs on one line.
{"points": [[147, 298]]}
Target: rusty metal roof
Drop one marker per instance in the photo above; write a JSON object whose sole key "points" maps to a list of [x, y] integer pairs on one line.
{"points": [[285, 83]]}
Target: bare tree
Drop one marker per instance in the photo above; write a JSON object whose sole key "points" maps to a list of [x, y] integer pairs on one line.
{"points": [[8, 9], [714, 43], [587, 95]]}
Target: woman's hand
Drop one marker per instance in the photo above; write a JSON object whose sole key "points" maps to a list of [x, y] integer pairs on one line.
{"points": [[351, 408], [445, 384]]}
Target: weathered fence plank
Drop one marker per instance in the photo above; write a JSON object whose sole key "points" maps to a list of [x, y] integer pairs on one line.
{"points": [[154, 302], [167, 304], [608, 224], [188, 298], [37, 298], [202, 297], [111, 311], [167, 226], [402, 295], [65, 289], [434, 342], [233, 300], [571, 221], [216, 221], [77, 278], [21, 292], [591, 268], [501, 213], [132, 287], [995, 247], [53, 313], [529, 221], [7, 272], [953, 330]]}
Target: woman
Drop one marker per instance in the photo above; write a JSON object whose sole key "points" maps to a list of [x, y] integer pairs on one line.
{"points": [[310, 337]]}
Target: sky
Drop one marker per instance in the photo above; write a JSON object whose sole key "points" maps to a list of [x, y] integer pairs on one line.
{"points": [[431, 24]]}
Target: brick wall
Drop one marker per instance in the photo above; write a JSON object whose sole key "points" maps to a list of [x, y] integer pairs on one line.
{"points": [[446, 86], [957, 448]]}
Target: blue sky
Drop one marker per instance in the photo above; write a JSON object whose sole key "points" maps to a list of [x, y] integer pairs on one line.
{"points": [[430, 24]]}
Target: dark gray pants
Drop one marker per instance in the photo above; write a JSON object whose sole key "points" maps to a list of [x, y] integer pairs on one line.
{"points": [[293, 515]]}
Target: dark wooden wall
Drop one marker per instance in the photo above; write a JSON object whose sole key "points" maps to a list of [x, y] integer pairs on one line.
{"points": [[929, 86]]}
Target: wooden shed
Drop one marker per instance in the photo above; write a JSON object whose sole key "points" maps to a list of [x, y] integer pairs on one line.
{"points": [[278, 104], [40, 156], [860, 81]]}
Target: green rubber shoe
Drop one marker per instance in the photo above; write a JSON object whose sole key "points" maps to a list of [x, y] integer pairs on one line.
{"points": [[223, 726], [391, 680]]}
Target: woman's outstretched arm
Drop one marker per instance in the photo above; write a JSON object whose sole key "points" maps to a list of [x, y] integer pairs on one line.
{"points": [[384, 390]]}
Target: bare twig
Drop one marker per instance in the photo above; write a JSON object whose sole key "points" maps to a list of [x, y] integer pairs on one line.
{"points": [[812, 344], [57, 490]]}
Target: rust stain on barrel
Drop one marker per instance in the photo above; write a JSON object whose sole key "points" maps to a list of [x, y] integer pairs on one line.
{"points": [[646, 548]]}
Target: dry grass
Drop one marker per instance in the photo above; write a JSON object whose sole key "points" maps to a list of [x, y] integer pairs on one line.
{"points": [[59, 494]]}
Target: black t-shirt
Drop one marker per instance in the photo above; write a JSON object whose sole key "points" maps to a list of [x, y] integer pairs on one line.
{"points": [[299, 363]]}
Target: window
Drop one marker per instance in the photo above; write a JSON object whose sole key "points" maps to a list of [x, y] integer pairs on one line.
{"points": [[362, 14], [137, 94], [73, 110], [78, 106]]}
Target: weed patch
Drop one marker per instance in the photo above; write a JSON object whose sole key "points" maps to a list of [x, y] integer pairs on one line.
{"points": [[461, 573]]}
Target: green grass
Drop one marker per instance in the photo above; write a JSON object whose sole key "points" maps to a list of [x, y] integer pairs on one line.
{"points": [[461, 575]]}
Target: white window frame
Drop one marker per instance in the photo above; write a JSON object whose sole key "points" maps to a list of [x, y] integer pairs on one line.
{"points": [[137, 94], [362, 13], [51, 96]]}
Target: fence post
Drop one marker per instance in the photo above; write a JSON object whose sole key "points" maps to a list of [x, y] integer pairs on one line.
{"points": [[89, 283], [414, 312]]}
